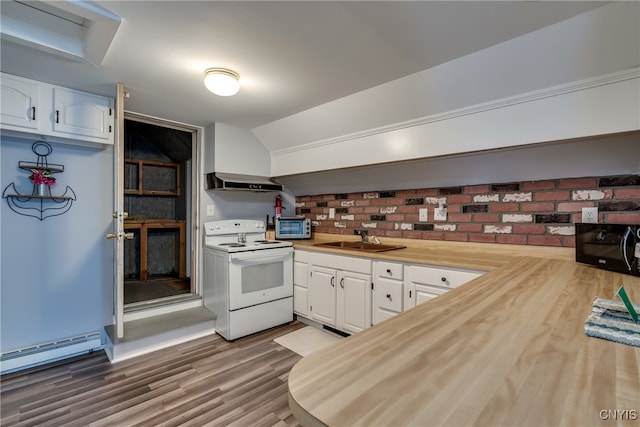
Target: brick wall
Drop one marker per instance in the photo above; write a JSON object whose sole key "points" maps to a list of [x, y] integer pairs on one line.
{"points": [[524, 213]]}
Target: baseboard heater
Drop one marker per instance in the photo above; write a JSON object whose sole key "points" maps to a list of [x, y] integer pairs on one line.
{"points": [[49, 352]]}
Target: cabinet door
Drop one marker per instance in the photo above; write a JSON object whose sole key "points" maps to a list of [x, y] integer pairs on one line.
{"points": [[19, 102], [354, 301], [322, 295], [425, 293], [82, 114]]}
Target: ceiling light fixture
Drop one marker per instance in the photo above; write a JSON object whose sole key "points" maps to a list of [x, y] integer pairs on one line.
{"points": [[222, 81]]}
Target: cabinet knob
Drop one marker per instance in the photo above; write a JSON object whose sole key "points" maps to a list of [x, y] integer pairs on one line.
{"points": [[333, 281], [342, 283], [389, 296], [444, 279], [389, 272]]}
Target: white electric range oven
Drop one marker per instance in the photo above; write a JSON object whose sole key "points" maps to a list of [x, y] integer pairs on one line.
{"points": [[248, 280]]}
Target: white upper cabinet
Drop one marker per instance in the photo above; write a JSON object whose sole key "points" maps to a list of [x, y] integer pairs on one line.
{"points": [[80, 114], [55, 113], [494, 98], [19, 102]]}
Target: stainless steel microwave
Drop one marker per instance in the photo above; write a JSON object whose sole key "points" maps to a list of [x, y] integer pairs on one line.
{"points": [[296, 227], [614, 247]]}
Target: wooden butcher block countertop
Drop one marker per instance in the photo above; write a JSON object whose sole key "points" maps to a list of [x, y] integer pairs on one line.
{"points": [[477, 256], [507, 349]]}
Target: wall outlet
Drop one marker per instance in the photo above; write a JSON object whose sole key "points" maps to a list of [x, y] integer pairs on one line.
{"points": [[440, 214], [210, 210], [423, 214], [332, 213], [590, 215]]}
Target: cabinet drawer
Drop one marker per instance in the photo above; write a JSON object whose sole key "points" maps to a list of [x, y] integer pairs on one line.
{"points": [[443, 277], [301, 256], [390, 270], [389, 295], [340, 262]]}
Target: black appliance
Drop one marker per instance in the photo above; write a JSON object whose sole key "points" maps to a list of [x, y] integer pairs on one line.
{"points": [[614, 247], [236, 182]]}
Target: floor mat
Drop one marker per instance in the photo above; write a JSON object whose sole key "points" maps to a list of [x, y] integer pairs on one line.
{"points": [[307, 340]]}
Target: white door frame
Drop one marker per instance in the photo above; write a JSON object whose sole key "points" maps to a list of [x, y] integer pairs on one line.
{"points": [[193, 239]]}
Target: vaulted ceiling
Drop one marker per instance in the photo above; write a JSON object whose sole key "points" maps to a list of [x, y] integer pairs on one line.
{"points": [[291, 56]]}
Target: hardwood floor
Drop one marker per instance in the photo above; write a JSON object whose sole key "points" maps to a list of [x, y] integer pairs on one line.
{"points": [[205, 382]]}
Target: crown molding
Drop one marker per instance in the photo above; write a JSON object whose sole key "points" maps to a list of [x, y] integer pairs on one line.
{"points": [[553, 91]]}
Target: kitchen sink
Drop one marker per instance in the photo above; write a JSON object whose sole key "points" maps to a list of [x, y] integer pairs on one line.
{"points": [[360, 246]]}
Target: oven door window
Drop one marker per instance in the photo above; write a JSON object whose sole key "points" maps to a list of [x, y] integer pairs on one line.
{"points": [[259, 277], [256, 278]]}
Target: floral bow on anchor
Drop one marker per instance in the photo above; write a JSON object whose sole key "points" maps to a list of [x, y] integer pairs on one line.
{"points": [[39, 176]]}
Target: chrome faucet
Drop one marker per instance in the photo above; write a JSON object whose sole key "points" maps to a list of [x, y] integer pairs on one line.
{"points": [[376, 241], [363, 235]]}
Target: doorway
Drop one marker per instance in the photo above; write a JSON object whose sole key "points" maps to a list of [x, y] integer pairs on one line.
{"points": [[158, 162]]}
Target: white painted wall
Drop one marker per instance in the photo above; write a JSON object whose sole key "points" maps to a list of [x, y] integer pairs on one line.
{"points": [[600, 156], [235, 150], [56, 275], [478, 102], [607, 105]]}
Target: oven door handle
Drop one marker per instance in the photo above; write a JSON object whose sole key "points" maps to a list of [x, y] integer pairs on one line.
{"points": [[623, 247], [251, 258]]}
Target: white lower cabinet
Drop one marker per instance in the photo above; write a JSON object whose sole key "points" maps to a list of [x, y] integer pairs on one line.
{"points": [[322, 295], [353, 302], [339, 291], [301, 282], [423, 283], [387, 290], [352, 293]]}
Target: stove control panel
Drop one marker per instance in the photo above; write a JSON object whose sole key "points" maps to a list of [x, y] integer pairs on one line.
{"points": [[233, 227]]}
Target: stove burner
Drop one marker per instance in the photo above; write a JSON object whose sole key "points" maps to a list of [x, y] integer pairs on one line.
{"points": [[232, 245]]}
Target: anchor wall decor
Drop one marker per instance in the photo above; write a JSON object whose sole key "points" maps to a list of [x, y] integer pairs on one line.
{"points": [[40, 203]]}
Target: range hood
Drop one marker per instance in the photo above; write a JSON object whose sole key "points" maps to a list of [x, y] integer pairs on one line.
{"points": [[235, 182]]}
